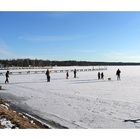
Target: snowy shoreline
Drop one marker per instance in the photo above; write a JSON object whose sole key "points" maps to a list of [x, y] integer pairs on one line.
{"points": [[12, 118], [21, 110]]}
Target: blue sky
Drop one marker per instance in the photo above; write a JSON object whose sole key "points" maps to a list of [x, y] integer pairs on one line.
{"points": [[90, 36]]}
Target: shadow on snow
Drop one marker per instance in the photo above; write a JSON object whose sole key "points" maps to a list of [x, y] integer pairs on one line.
{"points": [[134, 121]]}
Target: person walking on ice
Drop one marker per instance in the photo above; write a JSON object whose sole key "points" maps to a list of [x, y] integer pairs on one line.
{"points": [[48, 75], [67, 75], [75, 73], [7, 76], [99, 75], [118, 72], [102, 75]]}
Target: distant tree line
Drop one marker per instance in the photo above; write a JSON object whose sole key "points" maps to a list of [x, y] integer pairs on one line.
{"points": [[42, 63]]}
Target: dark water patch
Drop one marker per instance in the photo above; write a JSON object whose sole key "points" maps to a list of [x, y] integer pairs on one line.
{"points": [[44, 121]]}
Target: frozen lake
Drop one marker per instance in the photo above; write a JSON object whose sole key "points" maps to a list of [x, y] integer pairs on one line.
{"points": [[84, 102]]}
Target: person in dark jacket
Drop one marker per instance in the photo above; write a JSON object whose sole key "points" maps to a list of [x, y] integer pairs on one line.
{"points": [[48, 75], [67, 75], [102, 75], [75, 73], [7, 76], [118, 72], [99, 75]]}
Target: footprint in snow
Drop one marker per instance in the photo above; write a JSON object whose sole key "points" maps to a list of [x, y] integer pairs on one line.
{"points": [[69, 104]]}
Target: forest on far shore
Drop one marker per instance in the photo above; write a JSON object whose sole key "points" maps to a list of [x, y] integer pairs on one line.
{"points": [[43, 63]]}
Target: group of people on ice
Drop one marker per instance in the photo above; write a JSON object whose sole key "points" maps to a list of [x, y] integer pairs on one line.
{"points": [[100, 75], [67, 74]]}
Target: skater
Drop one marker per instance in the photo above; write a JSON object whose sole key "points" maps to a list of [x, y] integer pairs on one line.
{"points": [[99, 75], [102, 75], [75, 73], [118, 72], [7, 76], [67, 75], [48, 75]]}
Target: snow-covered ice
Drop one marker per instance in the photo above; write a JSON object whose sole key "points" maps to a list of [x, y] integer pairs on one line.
{"points": [[84, 102]]}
